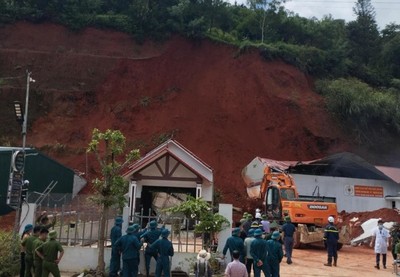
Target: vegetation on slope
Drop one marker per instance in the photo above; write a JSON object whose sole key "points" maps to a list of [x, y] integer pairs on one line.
{"points": [[328, 48]]}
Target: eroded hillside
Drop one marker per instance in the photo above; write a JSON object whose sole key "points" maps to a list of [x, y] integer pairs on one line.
{"points": [[224, 106]]}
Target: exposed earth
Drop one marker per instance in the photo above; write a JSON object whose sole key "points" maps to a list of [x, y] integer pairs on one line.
{"points": [[225, 106], [352, 261]]}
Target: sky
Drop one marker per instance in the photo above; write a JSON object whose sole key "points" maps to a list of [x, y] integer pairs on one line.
{"points": [[387, 11]]}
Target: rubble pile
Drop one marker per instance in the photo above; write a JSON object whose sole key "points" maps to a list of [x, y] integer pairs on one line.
{"points": [[355, 219]]}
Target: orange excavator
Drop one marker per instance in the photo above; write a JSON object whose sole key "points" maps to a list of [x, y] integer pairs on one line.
{"points": [[309, 213]]}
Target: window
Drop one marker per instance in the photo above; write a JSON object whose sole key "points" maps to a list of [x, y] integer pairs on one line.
{"points": [[287, 194]]}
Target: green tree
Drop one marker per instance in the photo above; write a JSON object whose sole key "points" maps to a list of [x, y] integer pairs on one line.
{"points": [[108, 147], [363, 33], [198, 209], [391, 56], [266, 11]]}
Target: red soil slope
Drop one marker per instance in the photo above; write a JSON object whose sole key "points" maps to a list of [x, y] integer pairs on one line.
{"points": [[226, 108]]}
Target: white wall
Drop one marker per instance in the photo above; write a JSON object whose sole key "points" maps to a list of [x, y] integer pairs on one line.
{"points": [[226, 211], [76, 259], [336, 187]]}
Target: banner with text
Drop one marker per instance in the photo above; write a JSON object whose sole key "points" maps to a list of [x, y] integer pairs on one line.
{"points": [[368, 191]]}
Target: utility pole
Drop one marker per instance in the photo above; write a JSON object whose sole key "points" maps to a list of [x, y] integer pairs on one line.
{"points": [[25, 123], [24, 128]]}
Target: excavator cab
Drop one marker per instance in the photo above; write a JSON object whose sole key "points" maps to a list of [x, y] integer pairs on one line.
{"points": [[273, 203], [274, 197]]}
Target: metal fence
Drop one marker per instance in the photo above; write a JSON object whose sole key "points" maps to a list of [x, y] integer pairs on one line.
{"points": [[76, 220], [77, 223], [183, 236]]}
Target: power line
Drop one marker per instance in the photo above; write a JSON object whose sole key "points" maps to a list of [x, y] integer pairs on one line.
{"points": [[336, 7], [341, 1], [8, 78]]}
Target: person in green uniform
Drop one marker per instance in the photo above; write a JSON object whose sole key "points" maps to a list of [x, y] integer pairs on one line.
{"points": [[275, 254], [28, 245], [48, 252], [164, 250], [37, 261], [44, 222], [395, 238], [27, 232], [397, 251]]}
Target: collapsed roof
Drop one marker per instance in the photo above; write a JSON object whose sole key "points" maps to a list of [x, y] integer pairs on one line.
{"points": [[344, 164], [340, 165]]}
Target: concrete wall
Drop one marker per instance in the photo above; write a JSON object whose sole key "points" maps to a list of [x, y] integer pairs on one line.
{"points": [[338, 187], [76, 259], [226, 211]]}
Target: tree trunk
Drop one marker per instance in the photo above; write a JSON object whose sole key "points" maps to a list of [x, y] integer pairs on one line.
{"points": [[263, 26], [100, 261]]}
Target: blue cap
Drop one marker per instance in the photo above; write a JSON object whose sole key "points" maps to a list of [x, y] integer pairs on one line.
{"points": [[258, 232], [133, 228], [250, 233], [118, 220], [153, 224], [275, 235], [165, 233], [236, 231], [28, 227]]}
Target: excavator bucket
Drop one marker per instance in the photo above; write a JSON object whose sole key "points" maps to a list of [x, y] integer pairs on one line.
{"points": [[305, 236]]}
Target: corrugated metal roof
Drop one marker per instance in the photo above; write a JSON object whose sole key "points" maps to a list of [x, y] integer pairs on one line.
{"points": [[338, 165]]}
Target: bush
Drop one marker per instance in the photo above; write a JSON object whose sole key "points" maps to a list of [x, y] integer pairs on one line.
{"points": [[223, 37], [113, 21], [306, 58], [9, 265], [361, 105]]}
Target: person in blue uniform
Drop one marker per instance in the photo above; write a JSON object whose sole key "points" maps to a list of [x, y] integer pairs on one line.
{"points": [[164, 249], [259, 251], [234, 242], [129, 246], [115, 235], [275, 254], [331, 237], [150, 236], [288, 231]]}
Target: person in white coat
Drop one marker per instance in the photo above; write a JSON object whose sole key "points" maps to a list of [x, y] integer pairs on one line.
{"points": [[380, 239]]}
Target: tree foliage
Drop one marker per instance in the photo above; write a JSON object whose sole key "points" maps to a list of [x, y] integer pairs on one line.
{"points": [[109, 148], [9, 266], [192, 208], [358, 104], [199, 210]]}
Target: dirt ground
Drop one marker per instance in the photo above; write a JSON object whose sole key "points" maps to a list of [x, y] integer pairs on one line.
{"points": [[352, 261]]}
